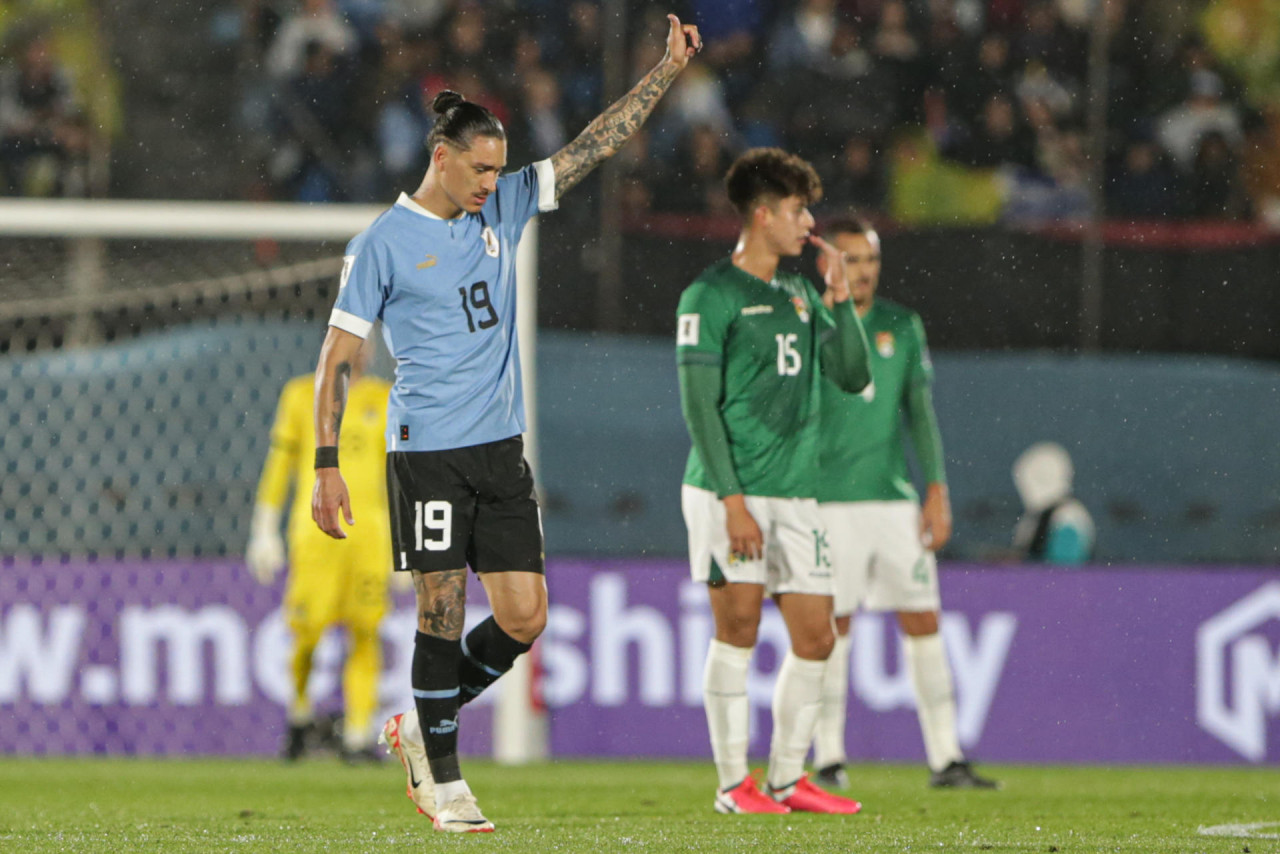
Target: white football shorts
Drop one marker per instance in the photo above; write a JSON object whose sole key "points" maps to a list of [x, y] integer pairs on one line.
{"points": [[794, 559], [878, 561]]}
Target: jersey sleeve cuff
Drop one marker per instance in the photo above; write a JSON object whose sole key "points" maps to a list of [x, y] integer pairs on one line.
{"points": [[690, 356], [546, 186], [348, 322]]}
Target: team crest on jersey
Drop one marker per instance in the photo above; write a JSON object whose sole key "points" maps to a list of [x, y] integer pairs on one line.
{"points": [[490, 242], [884, 344], [802, 308]]}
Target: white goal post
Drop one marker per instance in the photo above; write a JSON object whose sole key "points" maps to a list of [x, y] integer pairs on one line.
{"points": [[82, 280]]}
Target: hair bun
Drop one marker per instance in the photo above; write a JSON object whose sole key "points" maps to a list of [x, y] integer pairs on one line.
{"points": [[446, 101]]}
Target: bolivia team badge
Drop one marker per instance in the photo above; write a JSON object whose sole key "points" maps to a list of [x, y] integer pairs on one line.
{"points": [[884, 344], [802, 308]]}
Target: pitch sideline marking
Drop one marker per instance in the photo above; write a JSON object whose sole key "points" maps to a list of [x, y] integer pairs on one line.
{"points": [[1241, 831]]}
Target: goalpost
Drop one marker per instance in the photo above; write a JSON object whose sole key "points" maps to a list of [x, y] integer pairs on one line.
{"points": [[76, 273]]}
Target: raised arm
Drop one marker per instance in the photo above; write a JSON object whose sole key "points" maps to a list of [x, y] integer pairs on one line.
{"points": [[846, 357], [611, 129], [333, 379]]}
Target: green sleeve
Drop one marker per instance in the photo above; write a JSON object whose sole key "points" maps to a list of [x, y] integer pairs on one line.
{"points": [[846, 356], [700, 388], [922, 421], [925, 437]]}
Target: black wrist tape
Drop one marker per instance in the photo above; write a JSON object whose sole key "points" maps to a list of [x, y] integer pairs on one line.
{"points": [[327, 457]]}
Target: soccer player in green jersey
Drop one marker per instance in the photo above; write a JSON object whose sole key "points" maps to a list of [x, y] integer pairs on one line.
{"points": [[882, 539], [752, 345]]}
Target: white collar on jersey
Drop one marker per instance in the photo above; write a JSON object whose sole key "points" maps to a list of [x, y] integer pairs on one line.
{"points": [[406, 201]]}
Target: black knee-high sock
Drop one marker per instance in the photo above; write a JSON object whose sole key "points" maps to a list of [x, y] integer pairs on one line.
{"points": [[436, 696], [487, 653]]}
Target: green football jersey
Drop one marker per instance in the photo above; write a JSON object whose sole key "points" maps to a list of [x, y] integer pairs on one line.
{"points": [[765, 337], [863, 448]]}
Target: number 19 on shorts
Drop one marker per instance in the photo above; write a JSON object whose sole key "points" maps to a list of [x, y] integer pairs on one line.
{"points": [[432, 525]]}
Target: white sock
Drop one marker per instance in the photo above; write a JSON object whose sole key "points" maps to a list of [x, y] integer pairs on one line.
{"points": [[446, 792], [796, 699], [935, 698], [724, 695], [411, 730], [828, 733]]}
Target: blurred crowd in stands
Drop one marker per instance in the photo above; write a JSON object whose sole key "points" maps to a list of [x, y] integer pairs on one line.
{"points": [[44, 134], [922, 110]]}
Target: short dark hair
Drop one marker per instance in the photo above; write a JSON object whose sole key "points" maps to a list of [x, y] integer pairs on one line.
{"points": [[848, 225], [759, 173], [460, 121]]}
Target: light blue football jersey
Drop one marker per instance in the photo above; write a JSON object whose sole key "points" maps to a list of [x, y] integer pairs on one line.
{"points": [[445, 291]]}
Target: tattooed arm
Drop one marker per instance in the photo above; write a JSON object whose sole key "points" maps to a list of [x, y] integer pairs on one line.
{"points": [[609, 130], [333, 378]]}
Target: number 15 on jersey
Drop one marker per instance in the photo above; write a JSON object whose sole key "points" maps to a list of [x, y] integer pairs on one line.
{"points": [[788, 356]]}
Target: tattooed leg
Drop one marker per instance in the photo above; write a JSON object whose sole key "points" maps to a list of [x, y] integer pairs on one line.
{"points": [[437, 651], [442, 602]]}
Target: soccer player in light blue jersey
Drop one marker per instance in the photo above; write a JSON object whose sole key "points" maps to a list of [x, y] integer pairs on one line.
{"points": [[438, 269]]}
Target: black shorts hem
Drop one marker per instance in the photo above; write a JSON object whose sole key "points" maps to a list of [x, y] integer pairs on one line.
{"points": [[471, 507]]}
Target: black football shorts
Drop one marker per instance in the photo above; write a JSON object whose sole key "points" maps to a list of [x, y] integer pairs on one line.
{"points": [[465, 507]]}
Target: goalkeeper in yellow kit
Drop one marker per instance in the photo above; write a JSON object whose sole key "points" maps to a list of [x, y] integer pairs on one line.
{"points": [[330, 581]]}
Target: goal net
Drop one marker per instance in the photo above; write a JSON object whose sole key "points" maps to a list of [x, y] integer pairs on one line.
{"points": [[142, 348]]}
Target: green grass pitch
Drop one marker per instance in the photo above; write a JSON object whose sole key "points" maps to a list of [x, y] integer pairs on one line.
{"points": [[127, 805]]}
